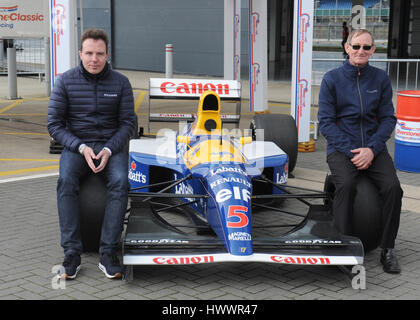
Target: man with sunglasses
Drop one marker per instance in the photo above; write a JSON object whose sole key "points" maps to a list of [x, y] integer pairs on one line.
{"points": [[356, 116]]}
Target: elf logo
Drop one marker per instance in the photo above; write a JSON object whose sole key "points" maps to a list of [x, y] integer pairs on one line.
{"points": [[238, 194]]}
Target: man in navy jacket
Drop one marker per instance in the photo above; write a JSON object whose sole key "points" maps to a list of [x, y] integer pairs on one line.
{"points": [[356, 116], [91, 113]]}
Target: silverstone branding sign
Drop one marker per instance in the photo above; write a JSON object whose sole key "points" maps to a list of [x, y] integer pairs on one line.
{"points": [[258, 74], [408, 131], [302, 67], [23, 19], [63, 48]]}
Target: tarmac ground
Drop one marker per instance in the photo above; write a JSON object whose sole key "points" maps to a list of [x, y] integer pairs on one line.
{"points": [[30, 252]]}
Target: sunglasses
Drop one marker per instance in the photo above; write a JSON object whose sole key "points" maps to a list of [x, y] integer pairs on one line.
{"points": [[357, 47]]}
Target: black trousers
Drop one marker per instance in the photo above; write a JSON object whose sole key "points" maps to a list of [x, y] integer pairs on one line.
{"points": [[382, 173]]}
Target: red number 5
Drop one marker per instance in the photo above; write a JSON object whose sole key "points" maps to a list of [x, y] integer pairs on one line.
{"points": [[239, 212]]}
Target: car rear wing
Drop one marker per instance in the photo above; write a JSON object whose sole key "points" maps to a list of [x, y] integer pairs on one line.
{"points": [[191, 89]]}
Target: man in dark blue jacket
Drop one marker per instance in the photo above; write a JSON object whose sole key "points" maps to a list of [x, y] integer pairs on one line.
{"points": [[91, 113], [356, 116]]}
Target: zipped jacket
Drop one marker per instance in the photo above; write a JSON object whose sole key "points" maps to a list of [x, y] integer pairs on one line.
{"points": [[356, 109], [91, 108]]}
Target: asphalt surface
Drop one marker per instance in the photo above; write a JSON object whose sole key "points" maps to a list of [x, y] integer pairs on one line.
{"points": [[30, 251]]}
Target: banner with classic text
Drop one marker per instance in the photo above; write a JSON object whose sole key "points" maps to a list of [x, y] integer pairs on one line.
{"points": [[23, 19]]}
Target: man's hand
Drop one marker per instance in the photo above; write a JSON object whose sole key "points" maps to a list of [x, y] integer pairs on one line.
{"points": [[363, 158], [104, 157], [89, 155]]}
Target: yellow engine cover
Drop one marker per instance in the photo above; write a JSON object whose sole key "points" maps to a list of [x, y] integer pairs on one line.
{"points": [[212, 151]]}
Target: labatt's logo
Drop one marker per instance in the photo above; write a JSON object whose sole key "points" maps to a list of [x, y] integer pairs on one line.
{"points": [[169, 87], [226, 170], [136, 176]]}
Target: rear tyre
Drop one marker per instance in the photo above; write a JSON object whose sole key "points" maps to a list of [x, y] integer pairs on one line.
{"points": [[367, 211], [280, 129]]}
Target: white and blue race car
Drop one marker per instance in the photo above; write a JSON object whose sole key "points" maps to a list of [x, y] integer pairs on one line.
{"points": [[219, 181]]}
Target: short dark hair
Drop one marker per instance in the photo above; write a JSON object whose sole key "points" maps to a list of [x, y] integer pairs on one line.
{"points": [[96, 34]]}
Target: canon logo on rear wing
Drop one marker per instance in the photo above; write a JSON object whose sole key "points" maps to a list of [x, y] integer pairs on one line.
{"points": [[194, 87]]}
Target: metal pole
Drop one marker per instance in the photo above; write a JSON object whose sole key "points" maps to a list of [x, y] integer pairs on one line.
{"points": [[1, 52], [81, 16], [169, 48], [47, 66], [11, 71], [336, 7]]}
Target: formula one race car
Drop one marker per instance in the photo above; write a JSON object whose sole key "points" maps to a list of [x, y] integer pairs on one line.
{"points": [[218, 184]]}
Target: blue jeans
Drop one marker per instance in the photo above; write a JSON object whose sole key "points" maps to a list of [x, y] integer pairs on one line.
{"points": [[73, 166]]}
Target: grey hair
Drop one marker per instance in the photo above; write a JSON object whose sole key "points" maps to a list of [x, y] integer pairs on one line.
{"points": [[358, 32]]}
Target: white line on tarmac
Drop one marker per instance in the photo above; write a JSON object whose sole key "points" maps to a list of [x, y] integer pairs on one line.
{"points": [[35, 176]]}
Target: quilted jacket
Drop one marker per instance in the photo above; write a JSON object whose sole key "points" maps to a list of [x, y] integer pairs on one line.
{"points": [[91, 108]]}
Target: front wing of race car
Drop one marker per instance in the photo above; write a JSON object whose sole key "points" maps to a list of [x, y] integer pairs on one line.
{"points": [[150, 240]]}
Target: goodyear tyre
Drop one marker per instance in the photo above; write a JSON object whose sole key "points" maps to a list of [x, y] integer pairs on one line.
{"points": [[92, 201], [367, 211], [280, 129]]}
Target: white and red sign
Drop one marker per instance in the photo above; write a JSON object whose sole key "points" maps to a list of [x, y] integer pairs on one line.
{"points": [[63, 48], [23, 19], [258, 100], [302, 67], [190, 88], [232, 39]]}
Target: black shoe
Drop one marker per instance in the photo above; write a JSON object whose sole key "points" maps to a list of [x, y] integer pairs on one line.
{"points": [[389, 261], [110, 265], [70, 267]]}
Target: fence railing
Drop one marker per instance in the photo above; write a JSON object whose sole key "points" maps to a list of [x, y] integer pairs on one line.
{"points": [[334, 31], [404, 73], [30, 57]]}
